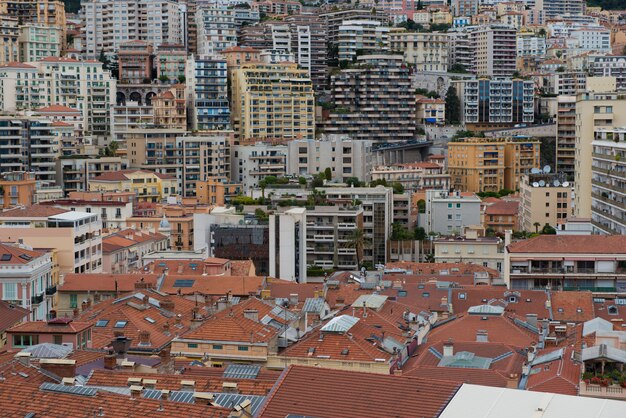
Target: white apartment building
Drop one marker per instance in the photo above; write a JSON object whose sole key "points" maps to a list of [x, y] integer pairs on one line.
{"points": [[252, 163], [557, 8], [345, 157], [449, 213], [471, 249], [110, 23], [38, 41], [595, 39], [608, 181], [485, 50], [367, 35], [414, 176], [425, 51], [288, 245], [609, 66], [217, 30], [529, 44], [81, 85]]}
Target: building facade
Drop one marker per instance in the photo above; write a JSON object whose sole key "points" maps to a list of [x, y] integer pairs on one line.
{"points": [[207, 86], [423, 50], [544, 199]]}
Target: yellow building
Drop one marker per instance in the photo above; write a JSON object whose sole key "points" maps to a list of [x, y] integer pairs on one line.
{"points": [[273, 101], [42, 12], [147, 185], [543, 200], [490, 164]]}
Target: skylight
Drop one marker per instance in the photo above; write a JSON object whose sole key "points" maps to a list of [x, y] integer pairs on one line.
{"points": [[147, 318], [102, 323], [120, 324]]}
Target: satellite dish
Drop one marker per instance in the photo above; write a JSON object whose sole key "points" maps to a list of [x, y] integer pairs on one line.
{"points": [[547, 169], [535, 171], [556, 183], [535, 184], [565, 184], [542, 183]]}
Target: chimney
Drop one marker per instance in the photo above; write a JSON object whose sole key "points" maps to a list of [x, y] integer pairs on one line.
{"points": [[128, 365], [531, 319], [144, 337], [166, 328], [181, 268], [165, 394], [482, 336], [59, 366], [68, 381], [195, 323], [266, 293], [167, 304], [135, 391], [149, 383], [293, 298], [531, 353], [251, 314], [178, 321], [23, 358], [75, 312], [187, 385], [448, 348], [244, 409], [507, 237], [526, 369], [203, 398], [84, 306], [146, 301], [229, 387], [110, 361], [317, 293], [141, 284]]}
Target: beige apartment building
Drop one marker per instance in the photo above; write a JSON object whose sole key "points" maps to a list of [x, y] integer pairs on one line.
{"points": [[595, 108], [170, 108], [147, 186], [485, 164], [544, 199], [275, 101], [426, 51], [472, 249], [9, 34], [38, 41]]}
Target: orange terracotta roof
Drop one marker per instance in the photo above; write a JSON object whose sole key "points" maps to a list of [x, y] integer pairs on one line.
{"points": [[105, 282], [12, 254], [242, 268], [284, 289], [213, 285], [59, 123], [11, 315], [506, 208], [393, 396], [33, 211], [453, 269], [571, 244], [572, 306], [559, 376], [57, 109], [17, 65], [58, 326]]}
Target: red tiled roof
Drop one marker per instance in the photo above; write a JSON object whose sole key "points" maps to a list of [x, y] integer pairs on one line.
{"points": [[17, 65], [17, 255], [571, 244], [325, 389], [572, 306], [503, 208], [11, 315], [559, 376], [242, 267], [453, 269], [213, 285], [59, 326], [58, 59], [33, 211], [104, 282], [284, 289], [57, 109]]}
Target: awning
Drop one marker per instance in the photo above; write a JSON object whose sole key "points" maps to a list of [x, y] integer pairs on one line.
{"points": [[546, 259], [582, 259]]}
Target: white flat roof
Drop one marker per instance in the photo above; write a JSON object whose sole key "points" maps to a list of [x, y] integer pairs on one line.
{"points": [[72, 216], [474, 401]]}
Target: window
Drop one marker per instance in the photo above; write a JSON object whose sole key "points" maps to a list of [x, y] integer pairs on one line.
{"points": [[73, 301], [9, 291], [462, 296], [217, 347], [120, 324], [425, 294], [192, 345], [25, 340], [58, 339], [102, 323], [242, 348]]}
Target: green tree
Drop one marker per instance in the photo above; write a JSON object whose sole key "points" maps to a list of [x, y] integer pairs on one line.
{"points": [[421, 206], [181, 79], [328, 174], [453, 106], [163, 78], [548, 230], [358, 241], [458, 69], [261, 215], [536, 225], [353, 182], [397, 187], [400, 233], [318, 180], [302, 181]]}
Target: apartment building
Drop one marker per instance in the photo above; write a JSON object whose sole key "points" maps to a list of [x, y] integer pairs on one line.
{"points": [[202, 157], [170, 62], [568, 83], [288, 245], [74, 235], [482, 165], [471, 249], [430, 111], [207, 87], [252, 163], [556, 8], [18, 188], [26, 279], [262, 114], [108, 24], [369, 36], [381, 109], [74, 174], [81, 85], [424, 51], [497, 101], [501, 216], [608, 66], [464, 7], [123, 251], [529, 44], [449, 213], [345, 158], [147, 186], [216, 28], [544, 199], [44, 12], [30, 144], [38, 41], [566, 136], [175, 221], [594, 109], [414, 176], [591, 39], [308, 44], [335, 18], [170, 108], [567, 262], [217, 191], [135, 62], [608, 181], [488, 50], [377, 204], [9, 39]]}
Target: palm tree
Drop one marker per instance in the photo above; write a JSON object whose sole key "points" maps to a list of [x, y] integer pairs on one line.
{"points": [[536, 225], [358, 241]]}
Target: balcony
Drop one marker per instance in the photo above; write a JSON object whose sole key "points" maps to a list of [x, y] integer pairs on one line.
{"points": [[599, 391], [36, 300], [51, 290]]}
